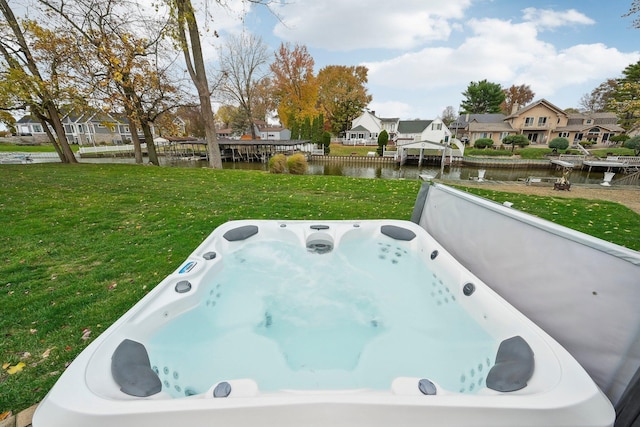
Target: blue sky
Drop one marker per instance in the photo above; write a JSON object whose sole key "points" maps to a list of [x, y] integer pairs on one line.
{"points": [[422, 54]]}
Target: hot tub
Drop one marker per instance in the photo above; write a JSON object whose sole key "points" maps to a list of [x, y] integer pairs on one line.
{"points": [[350, 323]]}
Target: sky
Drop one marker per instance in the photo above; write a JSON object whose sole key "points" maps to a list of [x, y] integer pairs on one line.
{"points": [[423, 54]]}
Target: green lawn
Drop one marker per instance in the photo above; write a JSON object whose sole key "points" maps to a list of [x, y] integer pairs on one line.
{"points": [[42, 148], [82, 243]]}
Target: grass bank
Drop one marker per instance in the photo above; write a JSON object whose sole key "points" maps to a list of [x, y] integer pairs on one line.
{"points": [[82, 243]]}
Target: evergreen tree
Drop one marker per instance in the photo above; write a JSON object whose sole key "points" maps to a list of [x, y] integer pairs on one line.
{"points": [[482, 97], [383, 139]]}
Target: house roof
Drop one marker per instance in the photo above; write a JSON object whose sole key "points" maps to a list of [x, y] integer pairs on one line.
{"points": [[27, 119], [583, 128], [490, 127], [413, 126], [465, 119], [359, 128], [535, 104]]}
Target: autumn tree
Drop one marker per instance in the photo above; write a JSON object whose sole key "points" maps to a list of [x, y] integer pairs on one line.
{"points": [[243, 70], [224, 115], [625, 100], [128, 60], [516, 97], [194, 125], [598, 99], [295, 86], [342, 94], [482, 97], [30, 86]]}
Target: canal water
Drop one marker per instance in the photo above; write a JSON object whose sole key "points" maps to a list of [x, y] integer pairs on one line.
{"points": [[393, 171], [462, 173]]}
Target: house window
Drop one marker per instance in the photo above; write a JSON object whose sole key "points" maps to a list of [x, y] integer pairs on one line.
{"points": [[485, 135], [436, 126], [542, 121], [528, 121], [563, 135], [80, 129], [37, 129], [126, 129], [503, 135], [588, 121]]}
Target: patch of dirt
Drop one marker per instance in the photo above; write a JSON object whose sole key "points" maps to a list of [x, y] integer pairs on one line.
{"points": [[628, 196]]}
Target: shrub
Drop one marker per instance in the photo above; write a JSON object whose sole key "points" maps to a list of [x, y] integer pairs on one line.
{"points": [[297, 164], [633, 143], [513, 140], [326, 142], [483, 143], [277, 163], [619, 138], [559, 144], [383, 140]]}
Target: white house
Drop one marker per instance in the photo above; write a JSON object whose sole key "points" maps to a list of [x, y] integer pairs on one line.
{"points": [[366, 128], [410, 131]]}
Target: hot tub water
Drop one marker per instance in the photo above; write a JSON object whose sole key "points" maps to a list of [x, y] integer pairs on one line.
{"points": [[358, 316]]}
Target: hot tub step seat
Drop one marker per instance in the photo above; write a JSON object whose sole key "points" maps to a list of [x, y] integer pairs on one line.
{"points": [[131, 370], [514, 366]]}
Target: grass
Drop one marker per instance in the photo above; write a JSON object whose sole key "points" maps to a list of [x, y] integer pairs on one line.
{"points": [[604, 152], [82, 243], [349, 150], [42, 148]]}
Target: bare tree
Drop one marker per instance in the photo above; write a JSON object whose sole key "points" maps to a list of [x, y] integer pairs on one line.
{"points": [[598, 99], [242, 63], [449, 115]]}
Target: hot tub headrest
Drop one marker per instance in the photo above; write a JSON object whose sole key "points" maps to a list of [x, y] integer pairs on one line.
{"points": [[131, 370], [398, 233], [240, 233], [514, 366]]}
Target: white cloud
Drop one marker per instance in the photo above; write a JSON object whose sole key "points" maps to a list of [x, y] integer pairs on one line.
{"points": [[339, 25], [392, 109], [502, 52], [552, 19]]}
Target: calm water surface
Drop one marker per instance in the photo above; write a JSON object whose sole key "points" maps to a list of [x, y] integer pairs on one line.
{"points": [[392, 171]]}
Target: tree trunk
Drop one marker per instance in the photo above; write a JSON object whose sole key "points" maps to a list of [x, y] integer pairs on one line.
{"points": [[52, 139], [61, 136], [137, 149], [195, 66], [151, 147]]}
